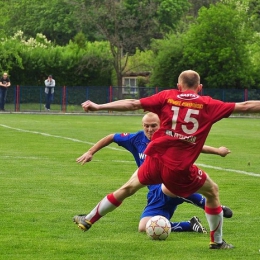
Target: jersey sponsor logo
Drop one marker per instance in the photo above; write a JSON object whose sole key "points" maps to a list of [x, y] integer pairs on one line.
{"points": [[169, 132], [181, 103], [124, 134], [142, 156], [187, 96], [192, 105], [190, 139]]}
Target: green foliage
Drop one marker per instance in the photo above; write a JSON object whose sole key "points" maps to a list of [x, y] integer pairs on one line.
{"points": [[197, 4], [170, 12], [130, 25], [30, 61], [141, 82], [4, 18], [97, 62], [254, 11], [80, 39], [10, 56], [167, 66], [254, 49], [216, 47], [53, 18], [141, 61], [60, 37], [167, 12]]}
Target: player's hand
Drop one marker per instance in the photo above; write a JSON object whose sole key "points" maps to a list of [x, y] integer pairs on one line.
{"points": [[89, 106], [223, 151], [84, 158]]}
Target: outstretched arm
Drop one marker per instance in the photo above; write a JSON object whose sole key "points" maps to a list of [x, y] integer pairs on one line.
{"points": [[87, 156], [222, 151], [119, 105], [251, 106]]}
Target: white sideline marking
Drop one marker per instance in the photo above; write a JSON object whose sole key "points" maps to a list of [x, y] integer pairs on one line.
{"points": [[57, 136], [123, 150], [21, 157], [228, 170]]}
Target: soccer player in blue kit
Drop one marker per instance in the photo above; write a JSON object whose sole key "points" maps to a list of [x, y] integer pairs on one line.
{"points": [[157, 202]]}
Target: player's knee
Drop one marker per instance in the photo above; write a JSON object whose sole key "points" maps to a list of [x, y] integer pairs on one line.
{"points": [[211, 190], [142, 224], [141, 227]]}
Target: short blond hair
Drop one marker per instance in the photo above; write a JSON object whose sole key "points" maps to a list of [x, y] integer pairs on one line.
{"points": [[189, 79]]}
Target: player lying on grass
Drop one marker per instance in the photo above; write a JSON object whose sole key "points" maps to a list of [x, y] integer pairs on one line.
{"points": [[157, 202]]}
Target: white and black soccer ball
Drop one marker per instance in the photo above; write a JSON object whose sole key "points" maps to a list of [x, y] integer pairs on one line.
{"points": [[158, 228]]}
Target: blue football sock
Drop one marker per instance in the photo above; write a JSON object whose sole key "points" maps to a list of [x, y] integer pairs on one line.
{"points": [[196, 199], [180, 226]]}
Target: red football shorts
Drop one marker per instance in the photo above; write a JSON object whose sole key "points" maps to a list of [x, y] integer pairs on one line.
{"points": [[180, 181]]}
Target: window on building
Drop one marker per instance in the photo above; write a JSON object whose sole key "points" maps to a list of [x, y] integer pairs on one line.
{"points": [[130, 85]]}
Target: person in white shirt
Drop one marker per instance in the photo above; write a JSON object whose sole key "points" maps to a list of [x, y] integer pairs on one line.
{"points": [[49, 91]]}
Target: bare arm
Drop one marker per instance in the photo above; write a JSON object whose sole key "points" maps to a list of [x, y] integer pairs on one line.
{"points": [[6, 85], [222, 151], [119, 105], [252, 106], [87, 156]]}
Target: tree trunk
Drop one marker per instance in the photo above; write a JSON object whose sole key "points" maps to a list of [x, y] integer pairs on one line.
{"points": [[119, 85]]}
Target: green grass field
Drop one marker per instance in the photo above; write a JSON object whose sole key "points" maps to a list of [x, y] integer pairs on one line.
{"points": [[42, 188]]}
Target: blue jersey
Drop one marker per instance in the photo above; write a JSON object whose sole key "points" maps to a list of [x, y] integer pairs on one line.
{"points": [[134, 143], [157, 202]]}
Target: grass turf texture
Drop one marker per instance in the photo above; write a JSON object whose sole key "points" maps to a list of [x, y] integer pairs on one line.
{"points": [[42, 188]]}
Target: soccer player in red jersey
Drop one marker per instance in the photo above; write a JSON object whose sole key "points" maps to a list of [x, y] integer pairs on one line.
{"points": [[157, 202], [186, 119]]}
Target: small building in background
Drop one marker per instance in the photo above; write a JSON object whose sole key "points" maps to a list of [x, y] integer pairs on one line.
{"points": [[130, 82]]}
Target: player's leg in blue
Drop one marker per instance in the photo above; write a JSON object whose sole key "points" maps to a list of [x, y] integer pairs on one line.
{"points": [[196, 199], [199, 200], [180, 226], [193, 224], [160, 204], [157, 204]]}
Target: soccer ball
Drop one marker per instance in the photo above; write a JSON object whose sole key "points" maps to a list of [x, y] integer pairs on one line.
{"points": [[158, 228]]}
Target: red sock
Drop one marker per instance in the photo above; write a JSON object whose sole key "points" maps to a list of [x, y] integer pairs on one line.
{"points": [[106, 205]]}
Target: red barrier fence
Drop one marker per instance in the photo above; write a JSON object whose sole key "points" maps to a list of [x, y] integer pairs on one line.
{"points": [[69, 98]]}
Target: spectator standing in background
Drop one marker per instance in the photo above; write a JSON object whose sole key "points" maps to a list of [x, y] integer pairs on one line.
{"points": [[49, 91], [4, 84]]}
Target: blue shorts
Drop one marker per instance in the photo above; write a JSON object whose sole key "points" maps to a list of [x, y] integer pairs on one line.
{"points": [[160, 204]]}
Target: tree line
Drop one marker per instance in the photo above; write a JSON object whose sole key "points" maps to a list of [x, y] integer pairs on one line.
{"points": [[96, 43]]}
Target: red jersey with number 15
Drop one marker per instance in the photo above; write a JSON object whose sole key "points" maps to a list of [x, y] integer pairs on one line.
{"points": [[186, 119]]}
